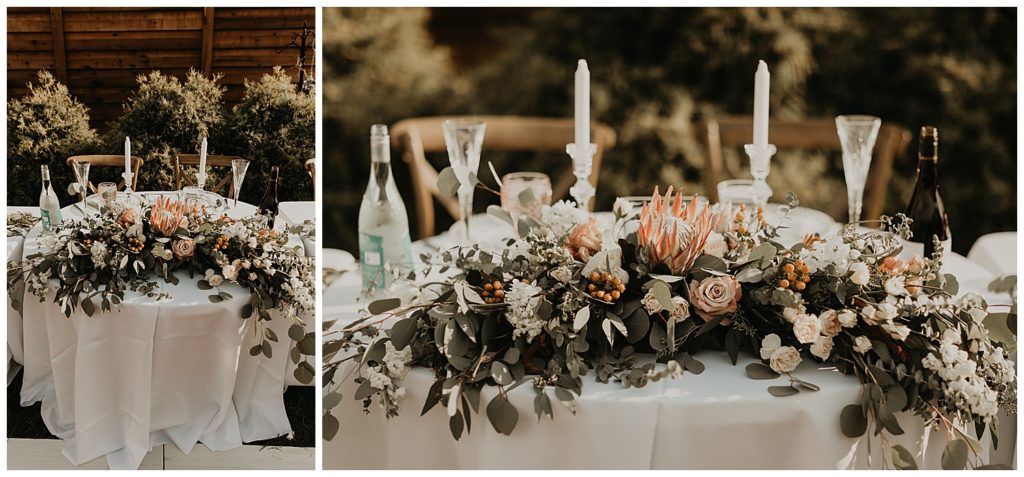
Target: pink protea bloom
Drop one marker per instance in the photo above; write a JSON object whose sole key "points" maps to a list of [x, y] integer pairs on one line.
{"points": [[166, 216], [672, 234]]}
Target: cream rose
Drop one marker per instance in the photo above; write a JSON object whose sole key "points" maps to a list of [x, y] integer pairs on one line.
{"points": [[651, 303], [681, 308], [822, 347], [715, 296], [859, 273], [716, 245], [861, 344], [784, 359], [847, 318], [896, 285], [184, 249], [830, 325], [806, 328]]}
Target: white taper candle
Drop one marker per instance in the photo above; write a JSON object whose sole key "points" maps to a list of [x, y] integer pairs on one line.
{"points": [[582, 120], [761, 84], [127, 155]]}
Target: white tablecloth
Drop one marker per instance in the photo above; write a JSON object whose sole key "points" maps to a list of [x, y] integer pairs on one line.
{"points": [[996, 252], [175, 371], [717, 420]]}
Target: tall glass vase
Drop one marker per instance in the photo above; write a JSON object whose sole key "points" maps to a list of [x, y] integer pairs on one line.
{"points": [[857, 134], [464, 139]]}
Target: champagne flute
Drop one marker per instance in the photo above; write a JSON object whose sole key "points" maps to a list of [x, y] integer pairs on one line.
{"points": [[238, 168], [464, 138], [857, 134], [81, 169]]}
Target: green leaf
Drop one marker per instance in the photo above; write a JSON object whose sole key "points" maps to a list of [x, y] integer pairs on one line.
{"points": [[402, 332], [383, 305], [296, 332], [902, 459], [365, 390], [331, 426], [332, 399], [500, 374], [215, 298], [951, 285], [690, 363], [499, 213], [761, 371], [566, 399], [256, 350], [87, 306], [998, 328], [267, 350], [750, 275], [203, 285], [782, 391], [542, 405], [448, 182], [852, 421], [663, 293], [512, 355], [247, 311], [456, 424], [304, 373], [502, 414], [954, 457]]}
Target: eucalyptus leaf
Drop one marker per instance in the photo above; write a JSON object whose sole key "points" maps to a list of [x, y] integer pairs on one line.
{"points": [[852, 421], [782, 391], [502, 414], [383, 305], [954, 456], [304, 373], [448, 182], [365, 390], [761, 371], [456, 425], [500, 373], [902, 459], [403, 332], [330, 426]]}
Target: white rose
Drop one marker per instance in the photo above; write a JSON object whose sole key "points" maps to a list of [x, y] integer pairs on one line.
{"points": [[562, 274], [861, 344], [847, 318], [784, 359], [791, 314], [230, 272], [869, 315], [716, 245], [887, 312], [681, 310], [896, 331], [830, 325], [769, 344], [806, 328], [822, 347], [860, 273], [896, 285], [651, 303], [215, 280]]}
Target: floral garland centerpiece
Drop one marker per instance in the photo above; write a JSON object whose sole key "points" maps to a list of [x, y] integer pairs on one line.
{"points": [[570, 298], [90, 263]]}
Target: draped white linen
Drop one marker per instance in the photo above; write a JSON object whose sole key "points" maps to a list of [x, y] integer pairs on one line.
{"points": [[719, 419], [175, 370]]}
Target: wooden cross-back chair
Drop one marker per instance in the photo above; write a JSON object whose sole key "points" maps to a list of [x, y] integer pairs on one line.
{"points": [[182, 180], [107, 160], [415, 137], [813, 134], [311, 169]]}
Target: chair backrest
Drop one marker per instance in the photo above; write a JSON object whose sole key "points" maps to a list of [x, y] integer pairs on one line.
{"points": [[107, 160], [415, 137], [181, 180], [819, 134], [311, 169]]}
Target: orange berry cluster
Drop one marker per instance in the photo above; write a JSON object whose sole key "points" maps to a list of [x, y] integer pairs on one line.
{"points": [[221, 243], [795, 275], [493, 292], [739, 223], [604, 286], [87, 243], [134, 244]]}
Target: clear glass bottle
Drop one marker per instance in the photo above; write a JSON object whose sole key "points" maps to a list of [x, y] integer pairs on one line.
{"points": [[384, 242], [49, 204]]}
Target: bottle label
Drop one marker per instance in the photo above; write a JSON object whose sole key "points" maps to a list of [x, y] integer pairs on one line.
{"points": [[371, 258], [45, 215]]}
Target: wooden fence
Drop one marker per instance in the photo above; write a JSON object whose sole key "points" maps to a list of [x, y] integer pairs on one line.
{"points": [[98, 52]]}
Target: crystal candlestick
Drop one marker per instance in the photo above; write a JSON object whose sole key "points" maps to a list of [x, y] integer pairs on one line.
{"points": [[760, 166], [201, 180], [127, 181], [582, 165]]}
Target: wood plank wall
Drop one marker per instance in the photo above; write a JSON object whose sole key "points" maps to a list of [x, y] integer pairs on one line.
{"points": [[98, 52]]}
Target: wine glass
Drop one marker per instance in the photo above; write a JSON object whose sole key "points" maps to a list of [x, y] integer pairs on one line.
{"points": [[107, 192], [464, 138], [857, 133], [525, 193], [81, 169], [238, 168]]}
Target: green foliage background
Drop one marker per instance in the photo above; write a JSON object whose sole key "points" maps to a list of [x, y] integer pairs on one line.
{"points": [[657, 72], [272, 125]]}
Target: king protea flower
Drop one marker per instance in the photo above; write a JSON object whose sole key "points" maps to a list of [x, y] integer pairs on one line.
{"points": [[165, 216], [672, 234]]}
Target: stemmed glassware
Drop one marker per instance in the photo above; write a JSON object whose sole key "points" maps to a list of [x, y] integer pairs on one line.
{"points": [[238, 168], [81, 169], [464, 139], [525, 194], [857, 134]]}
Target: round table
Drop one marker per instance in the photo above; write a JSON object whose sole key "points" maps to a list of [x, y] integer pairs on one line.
{"points": [[719, 419], [175, 370]]}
